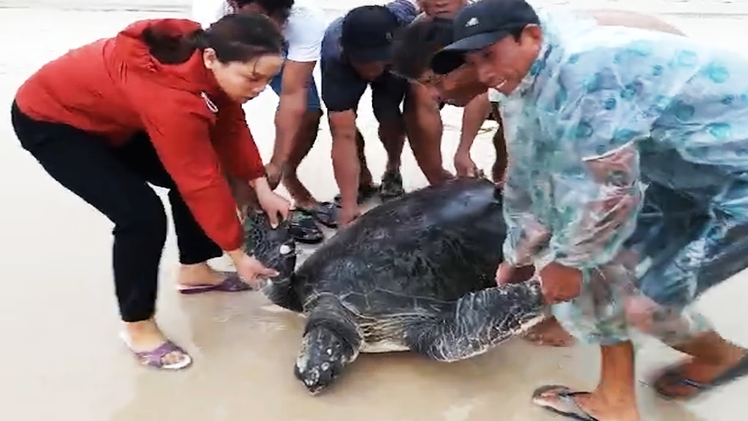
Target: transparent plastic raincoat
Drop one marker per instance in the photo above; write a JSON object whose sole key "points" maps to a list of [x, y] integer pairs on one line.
{"points": [[629, 161]]}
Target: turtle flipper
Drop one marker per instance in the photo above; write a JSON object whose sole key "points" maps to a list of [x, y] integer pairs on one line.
{"points": [[481, 320], [331, 342], [276, 249]]}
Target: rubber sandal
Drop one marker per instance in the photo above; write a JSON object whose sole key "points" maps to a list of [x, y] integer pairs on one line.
{"points": [[364, 193], [565, 405], [232, 283], [303, 228], [326, 213], [672, 378], [155, 357]]}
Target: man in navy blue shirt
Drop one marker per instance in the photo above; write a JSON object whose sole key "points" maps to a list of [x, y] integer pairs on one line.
{"points": [[356, 52]]}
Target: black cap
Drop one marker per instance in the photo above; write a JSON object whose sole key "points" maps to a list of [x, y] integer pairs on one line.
{"points": [[479, 25], [367, 33]]}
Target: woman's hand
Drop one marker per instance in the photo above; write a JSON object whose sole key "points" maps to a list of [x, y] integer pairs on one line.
{"points": [[270, 202], [250, 269]]}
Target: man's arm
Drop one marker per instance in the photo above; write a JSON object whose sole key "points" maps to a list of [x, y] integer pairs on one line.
{"points": [[292, 107], [473, 116], [423, 117], [304, 33], [345, 162]]}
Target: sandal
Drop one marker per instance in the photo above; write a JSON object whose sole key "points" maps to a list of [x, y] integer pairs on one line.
{"points": [[232, 283], [326, 213], [303, 228], [566, 405], [364, 193], [671, 377], [155, 357]]}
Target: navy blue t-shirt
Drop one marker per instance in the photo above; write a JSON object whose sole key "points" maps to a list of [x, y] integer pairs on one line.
{"points": [[342, 87]]}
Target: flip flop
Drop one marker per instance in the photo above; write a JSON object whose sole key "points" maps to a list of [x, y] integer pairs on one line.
{"points": [[364, 193], [671, 377], [232, 283], [303, 228], [155, 358], [326, 213], [566, 405]]}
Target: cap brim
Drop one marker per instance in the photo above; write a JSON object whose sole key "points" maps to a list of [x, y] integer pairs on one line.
{"points": [[453, 55], [369, 55]]}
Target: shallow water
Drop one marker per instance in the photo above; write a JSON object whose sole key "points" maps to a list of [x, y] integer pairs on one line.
{"points": [[61, 358]]}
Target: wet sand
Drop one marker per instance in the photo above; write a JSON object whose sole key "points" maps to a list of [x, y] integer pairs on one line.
{"points": [[61, 358]]}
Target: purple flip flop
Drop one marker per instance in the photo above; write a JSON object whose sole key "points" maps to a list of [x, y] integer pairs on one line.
{"points": [[232, 283], [155, 358]]}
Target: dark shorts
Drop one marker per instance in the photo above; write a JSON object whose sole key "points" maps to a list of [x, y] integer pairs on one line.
{"points": [[312, 96], [342, 90]]}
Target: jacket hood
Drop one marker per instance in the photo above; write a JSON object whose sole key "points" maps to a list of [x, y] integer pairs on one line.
{"points": [[132, 51]]}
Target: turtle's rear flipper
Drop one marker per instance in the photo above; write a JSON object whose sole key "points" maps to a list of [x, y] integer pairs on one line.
{"points": [[331, 342], [480, 320]]}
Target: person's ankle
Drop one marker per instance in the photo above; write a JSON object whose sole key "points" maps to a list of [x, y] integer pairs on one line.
{"points": [[199, 273]]}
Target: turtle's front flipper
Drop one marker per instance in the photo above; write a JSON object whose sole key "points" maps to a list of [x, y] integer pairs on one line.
{"points": [[331, 342], [276, 249], [480, 320]]}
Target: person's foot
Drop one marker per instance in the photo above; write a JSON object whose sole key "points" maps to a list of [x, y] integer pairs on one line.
{"points": [[152, 348], [392, 185], [585, 406], [549, 333], [694, 376], [200, 274]]}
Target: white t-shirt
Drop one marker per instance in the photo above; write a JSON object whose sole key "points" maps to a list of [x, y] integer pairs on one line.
{"points": [[303, 31]]}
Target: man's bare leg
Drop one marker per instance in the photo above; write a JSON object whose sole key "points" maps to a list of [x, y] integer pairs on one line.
{"points": [[392, 136]]}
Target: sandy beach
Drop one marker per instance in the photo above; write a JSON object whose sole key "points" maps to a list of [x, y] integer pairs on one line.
{"points": [[62, 359]]}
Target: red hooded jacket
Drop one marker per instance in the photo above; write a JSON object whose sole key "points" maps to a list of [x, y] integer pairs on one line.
{"points": [[114, 88]]}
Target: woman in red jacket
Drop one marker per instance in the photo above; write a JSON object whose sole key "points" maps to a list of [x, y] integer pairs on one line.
{"points": [[158, 103]]}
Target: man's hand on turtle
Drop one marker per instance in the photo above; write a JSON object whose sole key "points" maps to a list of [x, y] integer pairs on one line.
{"points": [[507, 274], [560, 283]]}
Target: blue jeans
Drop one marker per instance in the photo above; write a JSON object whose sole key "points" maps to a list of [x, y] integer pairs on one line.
{"points": [[312, 96]]}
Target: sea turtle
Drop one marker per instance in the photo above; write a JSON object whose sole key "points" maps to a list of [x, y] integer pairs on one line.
{"points": [[415, 273]]}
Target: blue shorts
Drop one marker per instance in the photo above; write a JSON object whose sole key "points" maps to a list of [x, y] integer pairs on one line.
{"points": [[312, 96]]}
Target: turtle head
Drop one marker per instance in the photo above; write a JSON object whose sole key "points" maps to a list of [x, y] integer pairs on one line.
{"points": [[324, 355], [274, 248], [327, 348]]}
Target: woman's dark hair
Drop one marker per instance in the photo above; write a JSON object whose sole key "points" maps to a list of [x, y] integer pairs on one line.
{"points": [[235, 37], [276, 9], [417, 43]]}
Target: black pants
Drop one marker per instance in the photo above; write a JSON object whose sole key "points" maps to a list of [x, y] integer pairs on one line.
{"points": [[115, 181]]}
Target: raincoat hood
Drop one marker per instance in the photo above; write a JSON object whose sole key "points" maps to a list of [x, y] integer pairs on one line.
{"points": [[133, 53]]}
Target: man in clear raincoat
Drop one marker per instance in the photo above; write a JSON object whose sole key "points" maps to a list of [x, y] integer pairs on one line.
{"points": [[627, 186]]}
